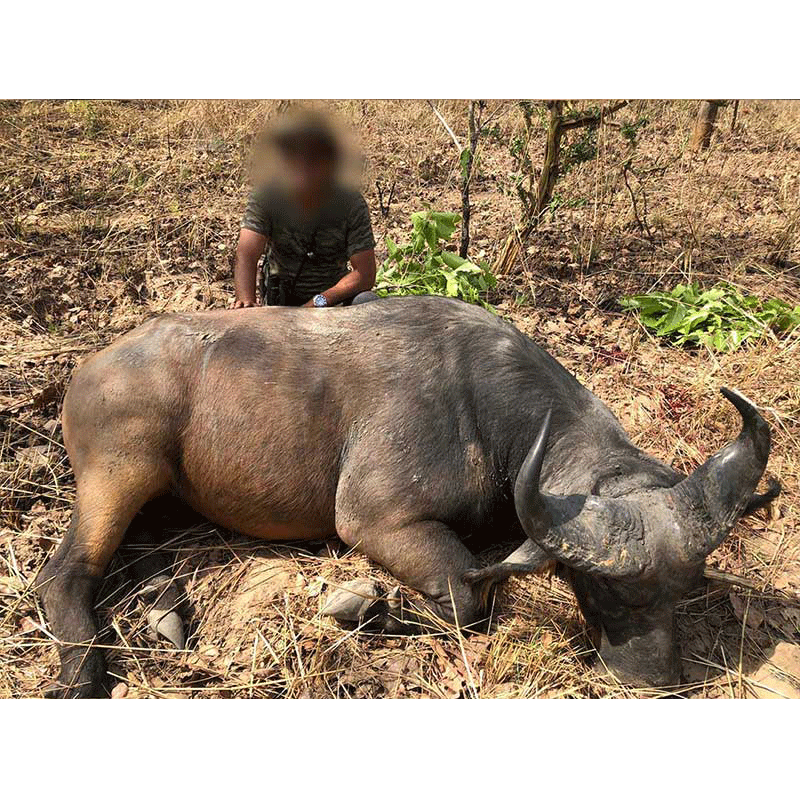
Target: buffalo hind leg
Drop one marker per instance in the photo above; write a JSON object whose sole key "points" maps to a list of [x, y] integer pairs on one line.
{"points": [[428, 557], [68, 583]]}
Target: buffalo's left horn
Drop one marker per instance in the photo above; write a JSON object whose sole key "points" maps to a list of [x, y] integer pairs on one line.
{"points": [[718, 492], [529, 501], [591, 534]]}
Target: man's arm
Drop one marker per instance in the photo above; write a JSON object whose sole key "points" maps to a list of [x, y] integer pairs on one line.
{"points": [[248, 251], [360, 279]]}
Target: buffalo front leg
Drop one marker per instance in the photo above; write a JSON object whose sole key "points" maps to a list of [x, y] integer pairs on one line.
{"points": [[68, 582], [428, 557], [526, 559]]}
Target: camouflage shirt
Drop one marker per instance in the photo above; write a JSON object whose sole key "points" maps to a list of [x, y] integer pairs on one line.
{"points": [[314, 250]]}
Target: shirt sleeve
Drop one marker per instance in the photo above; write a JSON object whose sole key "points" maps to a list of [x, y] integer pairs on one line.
{"points": [[359, 228], [256, 216]]}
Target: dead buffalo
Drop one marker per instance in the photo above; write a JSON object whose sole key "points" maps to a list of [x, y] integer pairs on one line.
{"points": [[402, 426]]}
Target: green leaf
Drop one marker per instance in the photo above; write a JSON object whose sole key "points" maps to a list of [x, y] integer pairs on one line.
{"points": [[445, 225], [672, 321], [452, 260], [392, 248], [693, 320], [431, 234], [452, 287], [719, 340]]}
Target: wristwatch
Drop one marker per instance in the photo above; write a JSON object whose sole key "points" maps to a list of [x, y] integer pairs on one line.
{"points": [[320, 301]]}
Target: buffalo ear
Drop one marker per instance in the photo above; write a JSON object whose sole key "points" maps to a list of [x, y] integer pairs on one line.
{"points": [[710, 500], [603, 536]]}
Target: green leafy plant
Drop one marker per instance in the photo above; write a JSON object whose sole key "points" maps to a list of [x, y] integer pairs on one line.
{"points": [[581, 147], [90, 115], [721, 318], [558, 201], [423, 266], [630, 130]]}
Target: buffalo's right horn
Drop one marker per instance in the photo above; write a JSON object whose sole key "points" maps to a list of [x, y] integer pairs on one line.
{"points": [[718, 492]]}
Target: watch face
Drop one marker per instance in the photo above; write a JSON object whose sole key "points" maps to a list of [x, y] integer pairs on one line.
{"points": [[320, 301]]}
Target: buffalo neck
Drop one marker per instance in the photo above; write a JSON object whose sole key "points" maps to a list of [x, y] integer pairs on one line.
{"points": [[588, 450]]}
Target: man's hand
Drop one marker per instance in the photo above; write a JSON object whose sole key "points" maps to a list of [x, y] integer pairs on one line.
{"points": [[244, 304], [360, 279]]}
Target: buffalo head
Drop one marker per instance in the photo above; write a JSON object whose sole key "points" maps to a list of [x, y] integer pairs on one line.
{"points": [[630, 559]]}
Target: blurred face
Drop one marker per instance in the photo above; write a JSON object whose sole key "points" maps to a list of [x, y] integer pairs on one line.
{"points": [[308, 172]]}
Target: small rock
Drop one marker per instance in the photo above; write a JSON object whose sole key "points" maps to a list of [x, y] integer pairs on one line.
{"points": [[119, 691], [746, 612], [779, 675]]}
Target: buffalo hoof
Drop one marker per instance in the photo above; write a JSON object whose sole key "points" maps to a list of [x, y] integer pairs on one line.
{"points": [[162, 618], [352, 601], [168, 625]]}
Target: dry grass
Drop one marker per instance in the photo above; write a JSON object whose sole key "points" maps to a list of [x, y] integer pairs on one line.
{"points": [[113, 211]]}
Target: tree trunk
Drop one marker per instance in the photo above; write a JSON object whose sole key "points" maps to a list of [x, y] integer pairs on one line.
{"points": [[467, 160], [735, 115], [549, 174], [509, 254], [704, 125]]}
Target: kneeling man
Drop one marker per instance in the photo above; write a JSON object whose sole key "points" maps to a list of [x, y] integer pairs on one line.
{"points": [[309, 224]]}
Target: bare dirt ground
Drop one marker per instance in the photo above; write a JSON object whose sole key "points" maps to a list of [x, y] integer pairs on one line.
{"points": [[113, 211]]}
